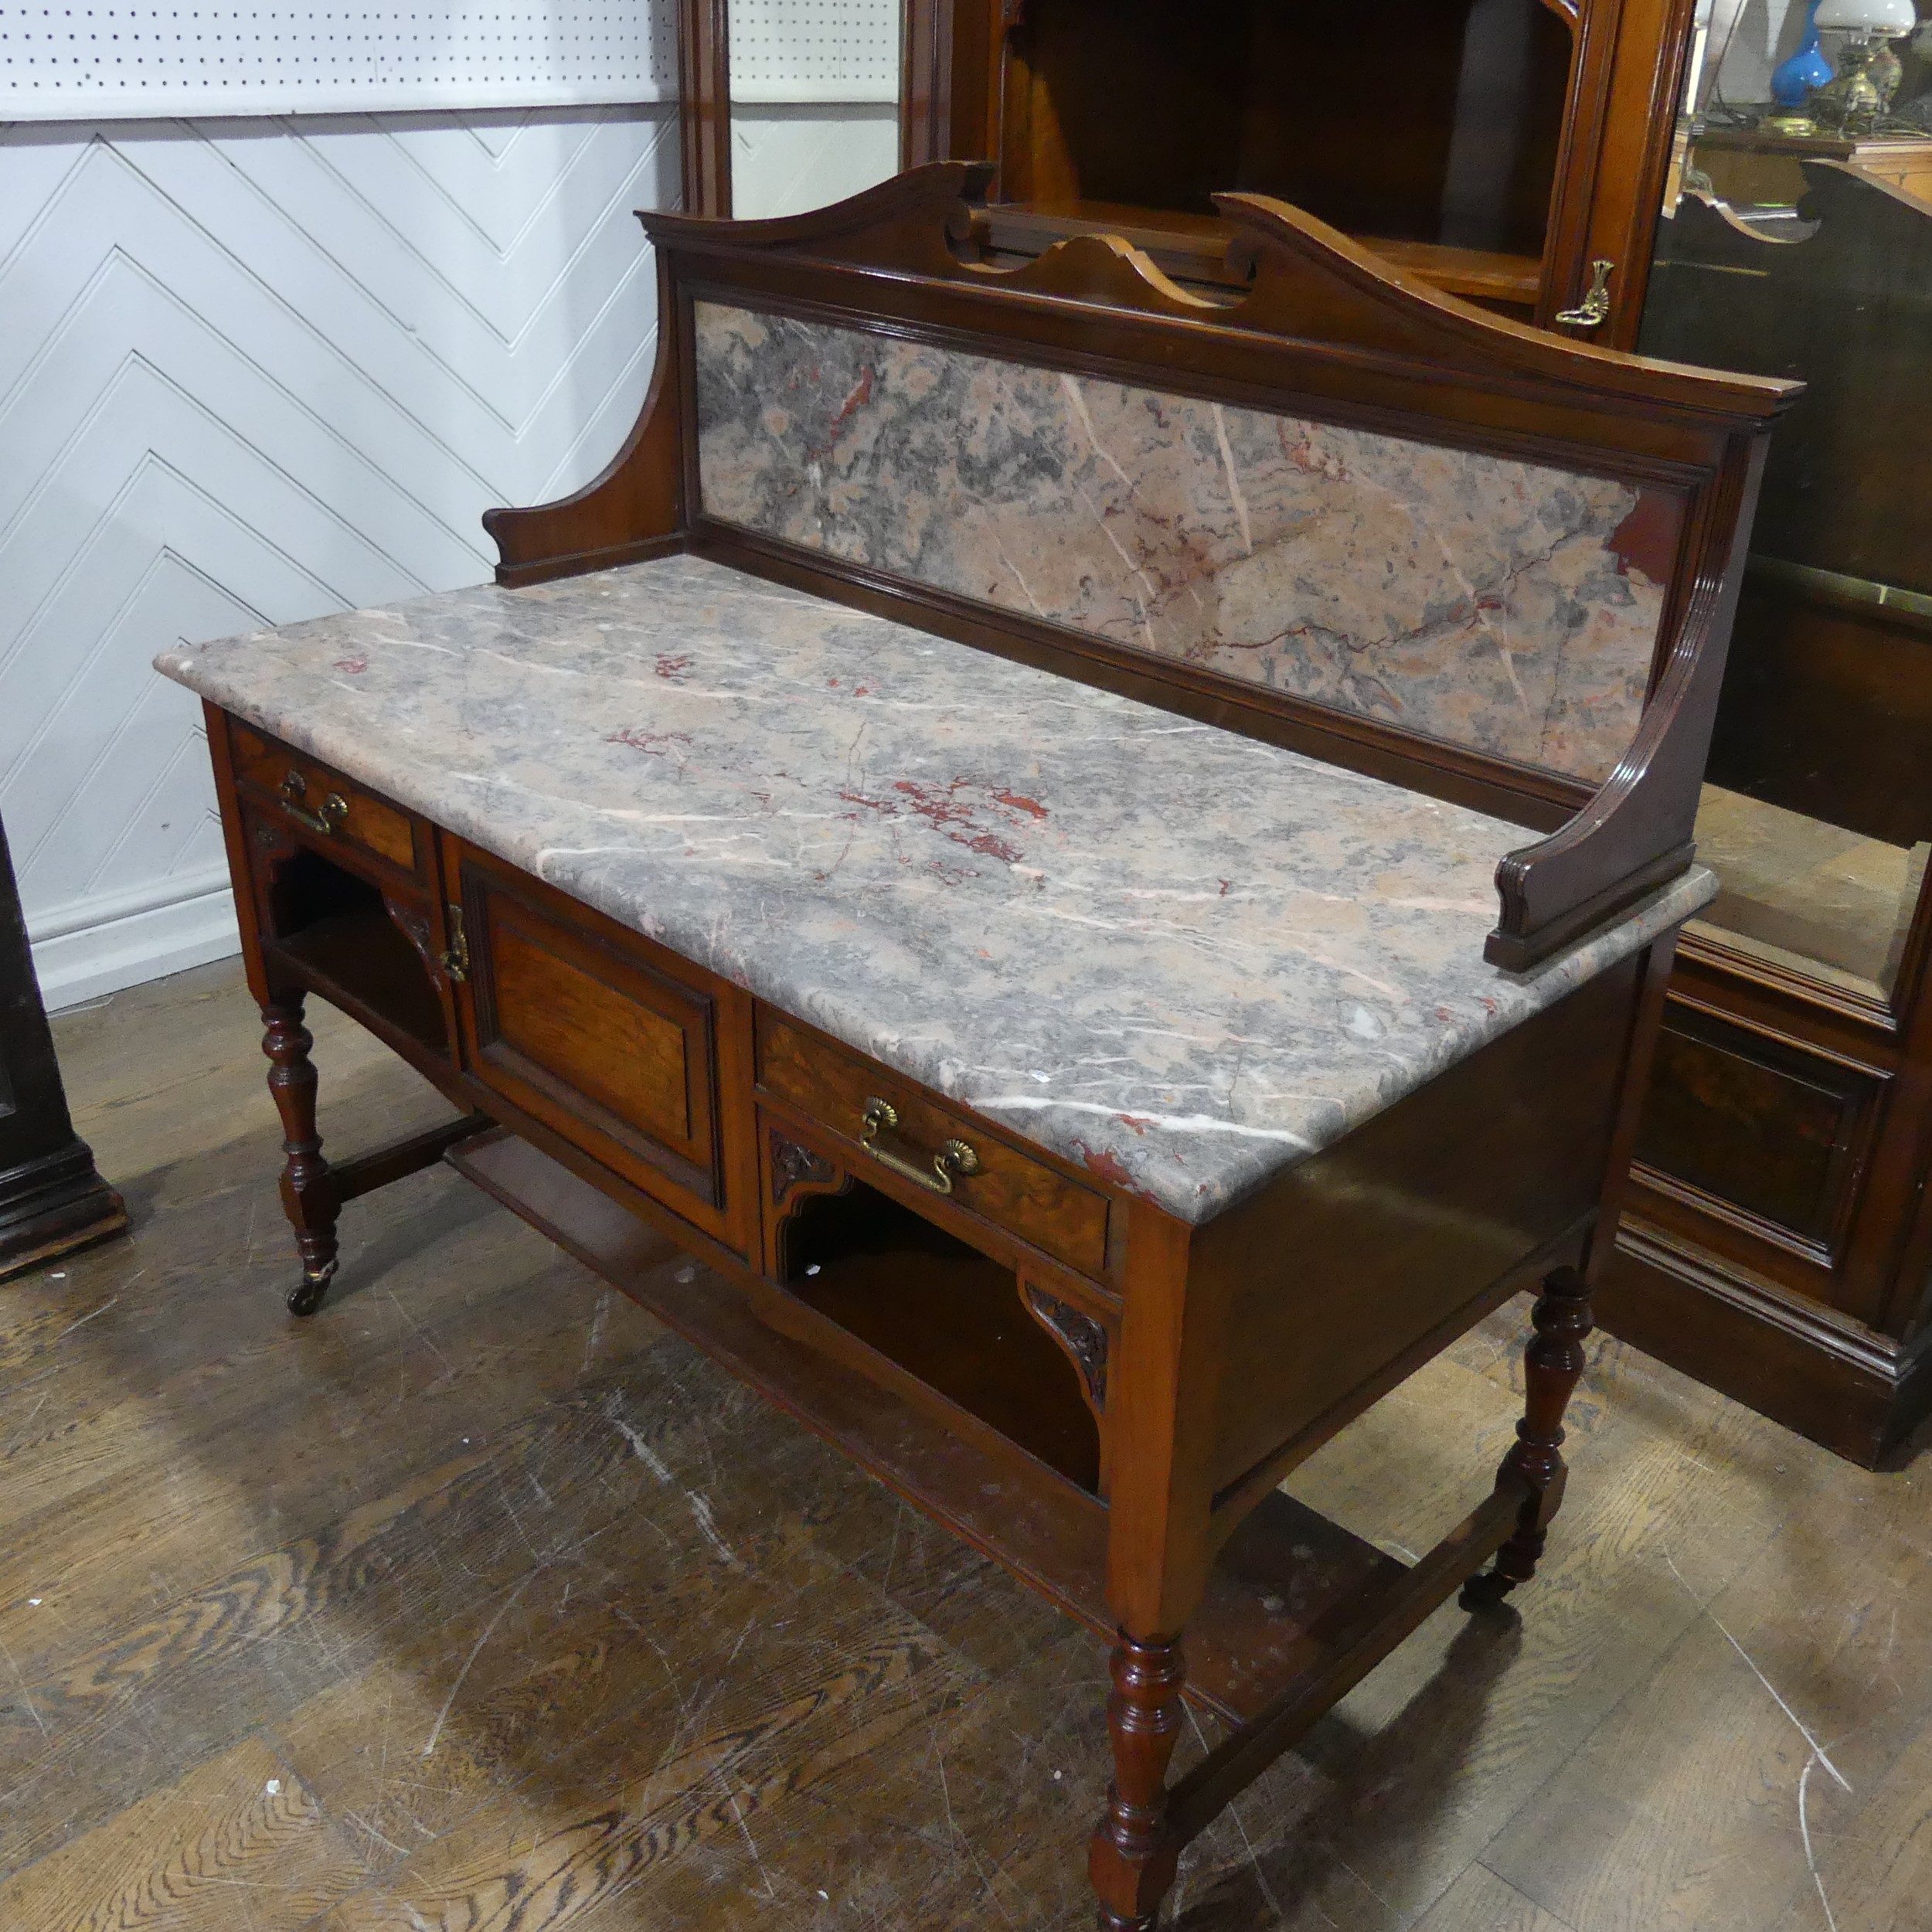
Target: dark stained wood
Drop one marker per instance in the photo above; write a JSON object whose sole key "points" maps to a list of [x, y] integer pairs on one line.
{"points": [[1512, 128], [366, 1173], [1352, 1642], [1134, 1855], [1193, 249], [361, 959], [1828, 706], [704, 105], [925, 86], [1846, 307], [308, 1192], [1554, 1364], [52, 1198], [1121, 103], [1440, 1203], [1824, 1373], [1020, 1191], [888, 1267], [1742, 1118], [1776, 1244], [299, 789], [950, 1318]]}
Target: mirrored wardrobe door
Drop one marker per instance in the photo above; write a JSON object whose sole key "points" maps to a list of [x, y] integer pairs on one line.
{"points": [[1777, 1241], [1799, 243], [814, 101]]}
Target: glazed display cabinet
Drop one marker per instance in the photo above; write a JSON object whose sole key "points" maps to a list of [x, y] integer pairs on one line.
{"points": [[1500, 150], [1777, 1241]]}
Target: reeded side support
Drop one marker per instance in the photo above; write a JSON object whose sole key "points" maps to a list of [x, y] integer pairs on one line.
{"points": [[1553, 1362], [309, 1198], [1134, 1852]]}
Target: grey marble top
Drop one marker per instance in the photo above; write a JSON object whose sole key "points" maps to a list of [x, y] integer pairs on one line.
{"points": [[1180, 958]]}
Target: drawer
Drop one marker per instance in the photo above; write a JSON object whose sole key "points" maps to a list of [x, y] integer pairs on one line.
{"points": [[1019, 1193], [584, 1027], [324, 804]]}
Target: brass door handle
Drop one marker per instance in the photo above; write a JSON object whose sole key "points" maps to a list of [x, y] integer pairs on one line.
{"points": [[456, 958], [954, 1162], [1594, 308], [325, 823]]}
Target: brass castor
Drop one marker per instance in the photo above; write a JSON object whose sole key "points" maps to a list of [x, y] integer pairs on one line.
{"points": [[306, 1297]]}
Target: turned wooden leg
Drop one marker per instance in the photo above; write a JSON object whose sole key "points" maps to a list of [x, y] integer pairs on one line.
{"points": [[1553, 1361], [1132, 1854], [309, 1197]]}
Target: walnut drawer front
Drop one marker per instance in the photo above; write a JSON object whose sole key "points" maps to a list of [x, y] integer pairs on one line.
{"points": [[1010, 1190], [576, 1027], [309, 794]]}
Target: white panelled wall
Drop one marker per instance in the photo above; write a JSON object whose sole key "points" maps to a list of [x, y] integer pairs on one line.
{"points": [[252, 371], [786, 158]]}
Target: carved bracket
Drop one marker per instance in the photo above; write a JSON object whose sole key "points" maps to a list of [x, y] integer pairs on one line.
{"points": [[275, 841], [415, 927], [793, 1166], [1082, 1337]]}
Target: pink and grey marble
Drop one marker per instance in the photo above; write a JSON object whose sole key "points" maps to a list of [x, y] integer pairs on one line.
{"points": [[1179, 958], [1488, 602]]}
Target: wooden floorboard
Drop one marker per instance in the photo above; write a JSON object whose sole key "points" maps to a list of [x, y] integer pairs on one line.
{"points": [[481, 1600]]}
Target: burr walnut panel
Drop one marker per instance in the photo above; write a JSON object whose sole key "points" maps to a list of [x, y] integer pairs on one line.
{"points": [[575, 1026], [322, 801]]}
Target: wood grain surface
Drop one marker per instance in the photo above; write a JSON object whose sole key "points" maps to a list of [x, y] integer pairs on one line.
{"points": [[485, 1602]]}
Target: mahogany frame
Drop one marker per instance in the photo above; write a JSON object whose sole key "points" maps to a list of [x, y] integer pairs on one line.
{"points": [[1328, 330], [1232, 1348], [1627, 72]]}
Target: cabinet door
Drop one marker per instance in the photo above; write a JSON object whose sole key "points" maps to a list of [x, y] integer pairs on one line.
{"points": [[591, 1032], [1506, 150]]}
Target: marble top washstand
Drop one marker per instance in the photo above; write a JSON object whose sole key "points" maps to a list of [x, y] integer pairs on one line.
{"points": [[1179, 958]]}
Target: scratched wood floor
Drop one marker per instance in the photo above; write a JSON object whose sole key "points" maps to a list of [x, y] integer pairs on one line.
{"points": [[480, 1601]]}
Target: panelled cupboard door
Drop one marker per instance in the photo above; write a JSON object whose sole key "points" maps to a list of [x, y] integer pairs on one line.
{"points": [[594, 1033]]}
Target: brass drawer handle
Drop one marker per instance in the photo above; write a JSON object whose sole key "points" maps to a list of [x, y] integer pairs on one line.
{"points": [[324, 823], [954, 1162]]}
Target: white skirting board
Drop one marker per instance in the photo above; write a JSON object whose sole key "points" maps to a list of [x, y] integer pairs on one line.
{"points": [[84, 952]]}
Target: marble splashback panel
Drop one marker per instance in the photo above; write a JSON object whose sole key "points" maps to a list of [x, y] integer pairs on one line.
{"points": [[1490, 603]]}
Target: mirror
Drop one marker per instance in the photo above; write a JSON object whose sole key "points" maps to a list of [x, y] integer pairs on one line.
{"points": [[814, 101], [1796, 241]]}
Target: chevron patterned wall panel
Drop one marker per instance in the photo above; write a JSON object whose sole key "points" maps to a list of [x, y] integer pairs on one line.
{"points": [[254, 371], [786, 158]]}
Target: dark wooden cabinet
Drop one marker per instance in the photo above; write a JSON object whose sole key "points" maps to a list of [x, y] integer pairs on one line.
{"points": [[1778, 1239], [51, 1198], [1498, 149]]}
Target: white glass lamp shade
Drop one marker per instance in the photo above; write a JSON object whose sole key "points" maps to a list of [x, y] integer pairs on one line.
{"points": [[1868, 16]]}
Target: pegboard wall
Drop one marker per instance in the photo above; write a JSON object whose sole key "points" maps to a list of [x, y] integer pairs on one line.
{"points": [[814, 49], [80, 61]]}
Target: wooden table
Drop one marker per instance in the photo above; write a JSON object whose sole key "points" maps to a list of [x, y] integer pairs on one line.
{"points": [[1089, 1104]]}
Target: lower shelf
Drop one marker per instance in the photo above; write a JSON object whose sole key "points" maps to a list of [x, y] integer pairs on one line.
{"points": [[1295, 1605], [948, 1317]]}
